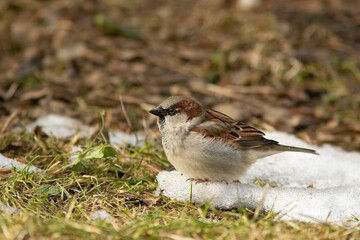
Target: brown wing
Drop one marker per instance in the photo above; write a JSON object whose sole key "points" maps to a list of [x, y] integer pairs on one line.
{"points": [[220, 126]]}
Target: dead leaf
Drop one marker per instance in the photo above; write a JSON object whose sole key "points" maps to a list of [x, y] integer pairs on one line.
{"points": [[70, 52], [36, 94], [4, 171], [148, 200], [13, 146]]}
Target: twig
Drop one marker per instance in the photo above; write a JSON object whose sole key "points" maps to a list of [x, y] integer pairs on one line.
{"points": [[210, 89], [134, 100], [124, 111], [262, 200], [9, 120]]}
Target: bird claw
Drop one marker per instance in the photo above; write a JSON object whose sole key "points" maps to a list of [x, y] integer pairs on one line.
{"points": [[196, 180]]}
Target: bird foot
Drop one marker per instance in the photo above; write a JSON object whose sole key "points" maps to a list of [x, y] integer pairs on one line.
{"points": [[196, 180]]}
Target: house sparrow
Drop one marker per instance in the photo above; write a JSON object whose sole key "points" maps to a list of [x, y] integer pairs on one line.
{"points": [[207, 145]]}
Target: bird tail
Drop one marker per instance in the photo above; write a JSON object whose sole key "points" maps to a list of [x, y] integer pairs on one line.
{"points": [[295, 149]]}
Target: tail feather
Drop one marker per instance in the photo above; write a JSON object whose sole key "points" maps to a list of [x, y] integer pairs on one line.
{"points": [[295, 149], [275, 148]]}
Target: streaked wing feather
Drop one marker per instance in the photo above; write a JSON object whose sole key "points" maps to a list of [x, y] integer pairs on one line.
{"points": [[220, 126]]}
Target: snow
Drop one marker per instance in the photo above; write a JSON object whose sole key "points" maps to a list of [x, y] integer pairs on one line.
{"points": [[334, 178], [102, 215], [121, 138], [8, 163], [60, 126], [8, 209], [74, 153]]}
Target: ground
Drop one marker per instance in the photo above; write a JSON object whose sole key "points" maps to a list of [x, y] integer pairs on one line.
{"points": [[292, 66]]}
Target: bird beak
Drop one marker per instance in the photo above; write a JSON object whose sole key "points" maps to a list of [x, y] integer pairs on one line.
{"points": [[158, 111]]}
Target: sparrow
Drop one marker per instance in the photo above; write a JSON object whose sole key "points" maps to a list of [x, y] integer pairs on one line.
{"points": [[207, 145]]}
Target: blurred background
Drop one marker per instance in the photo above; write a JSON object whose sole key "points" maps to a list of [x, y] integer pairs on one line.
{"points": [[292, 66]]}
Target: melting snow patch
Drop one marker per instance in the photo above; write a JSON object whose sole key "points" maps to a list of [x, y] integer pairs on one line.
{"points": [[7, 209], [8, 163], [102, 215], [74, 153], [61, 127], [120, 138], [334, 176]]}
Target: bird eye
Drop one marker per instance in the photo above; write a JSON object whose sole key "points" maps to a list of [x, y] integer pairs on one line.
{"points": [[172, 111]]}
